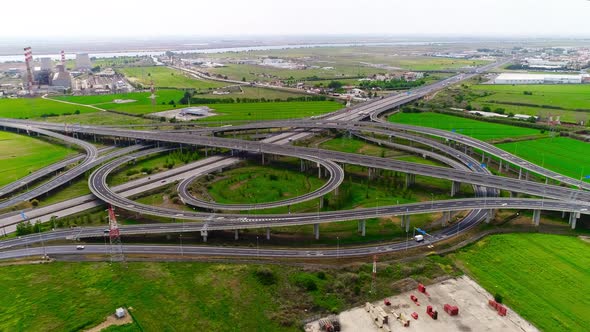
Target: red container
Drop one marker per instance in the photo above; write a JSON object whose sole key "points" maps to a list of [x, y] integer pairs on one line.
{"points": [[502, 310], [429, 309], [451, 309], [415, 299], [421, 288], [415, 315], [387, 302]]}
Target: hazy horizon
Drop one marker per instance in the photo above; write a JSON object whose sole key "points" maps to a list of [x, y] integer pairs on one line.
{"points": [[69, 19]]}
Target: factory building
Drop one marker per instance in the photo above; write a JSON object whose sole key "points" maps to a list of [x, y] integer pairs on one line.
{"points": [[83, 61], [46, 64], [61, 78], [517, 78]]}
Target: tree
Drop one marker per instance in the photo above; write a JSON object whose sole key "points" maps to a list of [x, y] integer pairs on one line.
{"points": [[243, 79], [335, 85]]}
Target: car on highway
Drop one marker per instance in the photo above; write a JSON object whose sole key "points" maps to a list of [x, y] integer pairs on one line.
{"points": [[80, 247]]}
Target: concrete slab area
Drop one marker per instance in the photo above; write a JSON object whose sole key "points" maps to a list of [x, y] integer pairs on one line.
{"points": [[474, 312]]}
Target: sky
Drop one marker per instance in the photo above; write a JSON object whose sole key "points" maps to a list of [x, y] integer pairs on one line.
{"points": [[119, 18]]}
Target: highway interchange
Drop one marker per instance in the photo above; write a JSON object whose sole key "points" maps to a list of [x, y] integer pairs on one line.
{"points": [[452, 149]]}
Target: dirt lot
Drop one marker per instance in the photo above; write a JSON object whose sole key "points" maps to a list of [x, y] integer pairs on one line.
{"points": [[474, 312]]}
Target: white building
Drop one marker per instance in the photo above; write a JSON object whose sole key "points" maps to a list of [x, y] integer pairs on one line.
{"points": [[83, 61], [517, 78]]}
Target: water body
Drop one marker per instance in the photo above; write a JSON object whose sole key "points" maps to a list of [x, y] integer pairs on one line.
{"points": [[20, 57]]}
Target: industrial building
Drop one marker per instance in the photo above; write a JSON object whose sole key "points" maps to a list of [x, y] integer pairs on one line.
{"points": [[518, 78], [61, 78], [83, 61]]}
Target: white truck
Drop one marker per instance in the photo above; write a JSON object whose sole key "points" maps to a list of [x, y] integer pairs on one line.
{"points": [[419, 238]]}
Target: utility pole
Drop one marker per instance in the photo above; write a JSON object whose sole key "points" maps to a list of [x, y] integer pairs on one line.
{"points": [[115, 238]]}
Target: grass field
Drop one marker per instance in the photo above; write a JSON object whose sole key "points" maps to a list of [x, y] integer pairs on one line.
{"points": [[21, 155], [100, 118], [271, 110], [257, 184], [560, 154], [191, 296], [168, 78], [21, 108], [545, 278], [477, 129], [573, 96]]}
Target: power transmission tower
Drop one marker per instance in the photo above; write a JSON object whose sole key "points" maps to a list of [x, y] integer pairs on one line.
{"points": [[115, 238]]}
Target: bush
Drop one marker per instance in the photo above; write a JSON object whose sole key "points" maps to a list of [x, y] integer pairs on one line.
{"points": [[265, 276], [306, 282], [35, 202], [321, 275], [498, 297]]}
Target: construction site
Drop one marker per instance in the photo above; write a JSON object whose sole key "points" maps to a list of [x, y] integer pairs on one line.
{"points": [[458, 304]]}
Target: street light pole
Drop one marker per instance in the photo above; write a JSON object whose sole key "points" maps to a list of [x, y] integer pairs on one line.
{"points": [[257, 248]]}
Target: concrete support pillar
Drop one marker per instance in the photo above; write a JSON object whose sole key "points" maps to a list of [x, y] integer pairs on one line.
{"points": [[489, 216], [236, 234], [268, 233], [263, 159], [573, 219], [410, 179], [455, 188], [363, 224], [446, 218], [520, 173], [483, 156], [336, 191], [526, 176], [204, 235], [319, 171], [206, 152], [302, 166], [500, 167], [407, 223], [536, 217], [316, 231], [322, 202], [562, 214]]}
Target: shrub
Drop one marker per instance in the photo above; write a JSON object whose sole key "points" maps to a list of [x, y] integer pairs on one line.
{"points": [[35, 202], [265, 276], [498, 297]]}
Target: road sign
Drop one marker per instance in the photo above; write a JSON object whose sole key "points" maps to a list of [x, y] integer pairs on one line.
{"points": [[483, 165], [421, 231]]}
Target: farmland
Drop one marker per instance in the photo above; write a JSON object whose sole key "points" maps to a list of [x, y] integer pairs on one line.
{"points": [[20, 155], [561, 154], [543, 277], [565, 96], [188, 296], [165, 77], [21, 108], [477, 129]]}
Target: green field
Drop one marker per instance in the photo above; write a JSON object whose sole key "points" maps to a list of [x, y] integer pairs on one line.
{"points": [[257, 184], [100, 118], [477, 129], [21, 108], [167, 78], [76, 296], [21, 155], [545, 278], [560, 154], [574, 96], [271, 110], [142, 104]]}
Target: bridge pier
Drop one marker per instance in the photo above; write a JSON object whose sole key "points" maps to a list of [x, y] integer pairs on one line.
{"points": [[316, 231], [520, 173], [319, 171], [455, 188], [489, 215], [268, 233], [536, 217], [446, 218], [236, 234], [573, 218], [500, 166], [410, 179], [363, 225], [204, 235], [322, 202], [262, 158]]}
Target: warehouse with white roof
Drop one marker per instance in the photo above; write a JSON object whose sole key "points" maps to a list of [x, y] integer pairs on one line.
{"points": [[518, 78]]}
